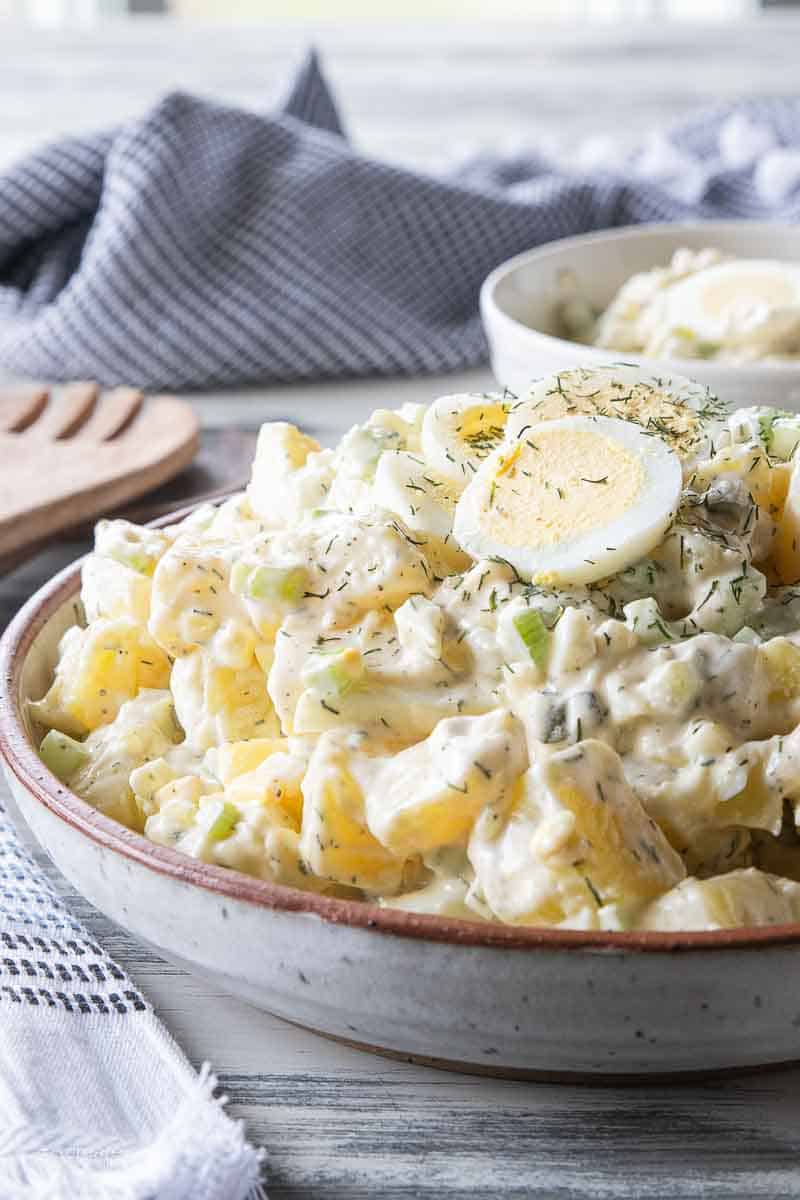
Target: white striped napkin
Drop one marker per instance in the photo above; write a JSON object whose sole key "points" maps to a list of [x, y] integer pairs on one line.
{"points": [[96, 1100]]}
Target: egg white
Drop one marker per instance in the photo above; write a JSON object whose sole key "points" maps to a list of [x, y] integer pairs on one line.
{"points": [[460, 431], [619, 515], [725, 301], [686, 415], [421, 496]]}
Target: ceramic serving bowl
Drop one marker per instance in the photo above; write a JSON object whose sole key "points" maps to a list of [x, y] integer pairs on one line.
{"points": [[519, 304], [481, 997]]}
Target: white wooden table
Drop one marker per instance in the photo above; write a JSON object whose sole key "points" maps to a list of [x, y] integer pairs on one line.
{"points": [[337, 1122]]}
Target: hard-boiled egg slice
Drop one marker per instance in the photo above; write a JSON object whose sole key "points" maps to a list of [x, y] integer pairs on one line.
{"points": [[422, 497], [682, 413], [571, 500], [726, 302], [459, 432]]}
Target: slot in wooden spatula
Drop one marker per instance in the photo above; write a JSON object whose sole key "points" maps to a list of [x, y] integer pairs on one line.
{"points": [[71, 454]]}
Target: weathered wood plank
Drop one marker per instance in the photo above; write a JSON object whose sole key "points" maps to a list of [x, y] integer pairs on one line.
{"points": [[340, 1124]]}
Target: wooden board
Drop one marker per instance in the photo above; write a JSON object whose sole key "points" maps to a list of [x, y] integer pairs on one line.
{"points": [[81, 454]]}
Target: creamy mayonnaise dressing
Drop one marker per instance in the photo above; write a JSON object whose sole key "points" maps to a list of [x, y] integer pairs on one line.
{"points": [[362, 677]]}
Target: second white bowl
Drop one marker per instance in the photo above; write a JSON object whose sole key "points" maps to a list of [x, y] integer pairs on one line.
{"points": [[519, 304]]}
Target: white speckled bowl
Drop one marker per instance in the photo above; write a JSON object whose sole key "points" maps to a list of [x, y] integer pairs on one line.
{"points": [[539, 1003], [519, 298]]}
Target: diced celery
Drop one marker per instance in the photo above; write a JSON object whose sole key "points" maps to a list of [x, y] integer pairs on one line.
{"points": [[130, 553], [263, 582], [700, 349], [765, 424], [240, 576], [62, 754], [707, 349], [534, 633], [766, 420], [224, 823], [134, 557], [784, 436], [334, 674], [278, 583]]}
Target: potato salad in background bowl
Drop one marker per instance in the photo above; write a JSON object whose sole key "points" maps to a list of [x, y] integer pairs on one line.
{"points": [[718, 300], [441, 740], [700, 305]]}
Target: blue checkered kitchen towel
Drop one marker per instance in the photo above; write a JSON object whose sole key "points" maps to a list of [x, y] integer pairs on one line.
{"points": [[205, 245]]}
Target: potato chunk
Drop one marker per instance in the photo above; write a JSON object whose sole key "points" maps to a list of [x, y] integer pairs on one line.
{"points": [[575, 841], [143, 730], [786, 547], [334, 840], [745, 897], [429, 795], [291, 474], [218, 704], [99, 668]]}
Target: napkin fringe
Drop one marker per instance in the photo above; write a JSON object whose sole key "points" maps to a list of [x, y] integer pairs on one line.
{"points": [[64, 1167]]}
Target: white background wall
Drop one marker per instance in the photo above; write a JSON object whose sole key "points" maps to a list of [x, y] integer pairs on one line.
{"points": [[75, 13]]}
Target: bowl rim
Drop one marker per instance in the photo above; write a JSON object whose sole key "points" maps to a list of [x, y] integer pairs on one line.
{"points": [[493, 311], [23, 762]]}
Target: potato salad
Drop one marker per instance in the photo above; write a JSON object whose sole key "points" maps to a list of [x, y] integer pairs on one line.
{"points": [[530, 659], [701, 305]]}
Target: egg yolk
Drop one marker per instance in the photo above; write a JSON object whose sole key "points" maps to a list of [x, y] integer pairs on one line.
{"points": [[558, 487], [481, 428]]}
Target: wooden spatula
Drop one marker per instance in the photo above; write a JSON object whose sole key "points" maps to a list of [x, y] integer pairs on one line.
{"points": [[70, 454]]}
